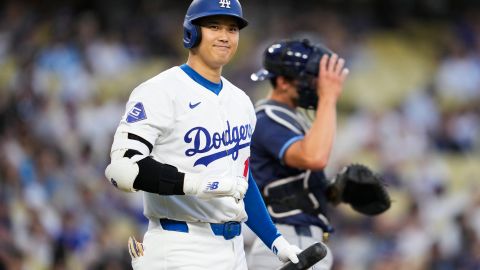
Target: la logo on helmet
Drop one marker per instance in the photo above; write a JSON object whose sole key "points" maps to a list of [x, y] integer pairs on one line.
{"points": [[224, 3]]}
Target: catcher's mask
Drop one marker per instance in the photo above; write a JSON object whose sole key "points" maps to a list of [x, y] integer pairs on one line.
{"points": [[204, 8], [296, 59]]}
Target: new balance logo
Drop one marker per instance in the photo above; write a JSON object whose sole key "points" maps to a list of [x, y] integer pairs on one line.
{"points": [[194, 105], [212, 185], [224, 3]]}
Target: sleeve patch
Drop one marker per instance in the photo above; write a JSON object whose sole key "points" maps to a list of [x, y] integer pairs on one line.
{"points": [[137, 113]]}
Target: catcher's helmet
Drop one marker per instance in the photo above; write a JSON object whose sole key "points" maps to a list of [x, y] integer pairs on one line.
{"points": [[204, 8], [295, 59]]}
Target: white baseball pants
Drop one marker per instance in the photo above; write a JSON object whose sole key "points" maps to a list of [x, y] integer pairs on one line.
{"points": [[197, 249]]}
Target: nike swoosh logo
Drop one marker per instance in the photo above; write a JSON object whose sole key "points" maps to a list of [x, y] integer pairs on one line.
{"points": [[194, 105]]}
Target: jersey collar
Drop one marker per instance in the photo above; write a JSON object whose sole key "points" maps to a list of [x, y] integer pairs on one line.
{"points": [[214, 87]]}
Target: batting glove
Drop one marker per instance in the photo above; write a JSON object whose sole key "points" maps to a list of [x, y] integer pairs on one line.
{"points": [[135, 248], [212, 187], [284, 251]]}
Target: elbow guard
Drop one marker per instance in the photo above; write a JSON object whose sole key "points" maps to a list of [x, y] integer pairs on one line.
{"points": [[146, 174], [122, 173], [159, 178], [132, 169]]}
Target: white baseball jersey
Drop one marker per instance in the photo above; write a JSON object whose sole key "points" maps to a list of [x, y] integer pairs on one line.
{"points": [[195, 130]]}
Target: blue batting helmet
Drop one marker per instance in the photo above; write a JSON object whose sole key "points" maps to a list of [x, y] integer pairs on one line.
{"points": [[204, 8], [294, 59]]}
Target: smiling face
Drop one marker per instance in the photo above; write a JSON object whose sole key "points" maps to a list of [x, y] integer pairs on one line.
{"points": [[220, 35]]}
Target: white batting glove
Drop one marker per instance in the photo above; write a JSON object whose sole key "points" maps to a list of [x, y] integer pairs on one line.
{"points": [[284, 251], [212, 187], [135, 248]]}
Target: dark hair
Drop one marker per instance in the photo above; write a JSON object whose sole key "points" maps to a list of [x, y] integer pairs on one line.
{"points": [[273, 80]]}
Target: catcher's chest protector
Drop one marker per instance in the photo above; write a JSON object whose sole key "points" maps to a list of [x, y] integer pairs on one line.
{"points": [[290, 195], [296, 122]]}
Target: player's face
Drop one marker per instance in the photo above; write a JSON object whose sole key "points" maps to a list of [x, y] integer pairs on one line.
{"points": [[219, 42], [288, 90], [293, 91]]}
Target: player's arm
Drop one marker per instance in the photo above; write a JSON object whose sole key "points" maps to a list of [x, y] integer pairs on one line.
{"points": [[313, 151], [261, 224], [132, 168]]}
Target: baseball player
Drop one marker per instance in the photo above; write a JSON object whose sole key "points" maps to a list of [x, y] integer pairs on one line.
{"points": [[289, 152], [185, 141]]}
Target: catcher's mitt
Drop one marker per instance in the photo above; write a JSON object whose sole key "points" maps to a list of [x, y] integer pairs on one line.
{"points": [[357, 185]]}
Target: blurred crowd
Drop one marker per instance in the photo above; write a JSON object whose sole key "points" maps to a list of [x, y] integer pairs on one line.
{"points": [[411, 110]]}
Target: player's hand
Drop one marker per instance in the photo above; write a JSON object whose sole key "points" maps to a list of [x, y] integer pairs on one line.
{"points": [[135, 248], [331, 76], [136, 251], [284, 251], [212, 187]]}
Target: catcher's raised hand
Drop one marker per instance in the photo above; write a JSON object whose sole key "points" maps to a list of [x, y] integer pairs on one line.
{"points": [[358, 186], [331, 76]]}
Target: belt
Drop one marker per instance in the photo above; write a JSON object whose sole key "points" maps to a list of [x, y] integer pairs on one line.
{"points": [[228, 229]]}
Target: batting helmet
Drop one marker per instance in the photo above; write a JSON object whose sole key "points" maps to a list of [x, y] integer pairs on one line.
{"points": [[204, 8], [295, 59]]}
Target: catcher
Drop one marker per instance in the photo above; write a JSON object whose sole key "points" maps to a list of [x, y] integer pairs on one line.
{"points": [[289, 152]]}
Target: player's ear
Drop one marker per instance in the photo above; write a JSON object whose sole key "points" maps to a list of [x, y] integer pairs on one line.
{"points": [[283, 82], [280, 82]]}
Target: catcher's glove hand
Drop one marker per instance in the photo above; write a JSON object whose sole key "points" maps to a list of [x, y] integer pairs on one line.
{"points": [[357, 185]]}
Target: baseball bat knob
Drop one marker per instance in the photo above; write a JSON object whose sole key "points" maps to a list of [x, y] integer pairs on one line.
{"points": [[307, 258]]}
